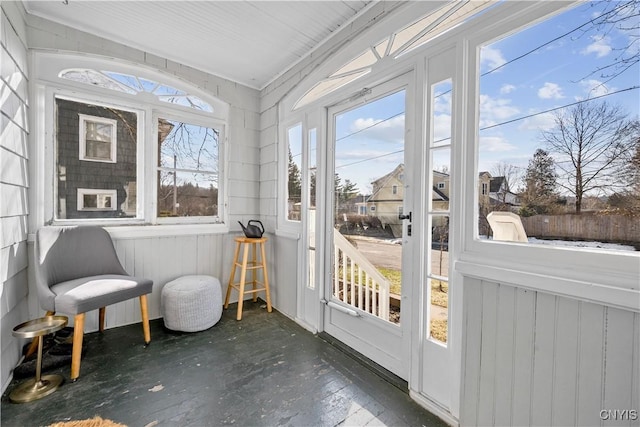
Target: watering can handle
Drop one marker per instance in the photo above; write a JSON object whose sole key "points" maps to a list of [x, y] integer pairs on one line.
{"points": [[259, 222]]}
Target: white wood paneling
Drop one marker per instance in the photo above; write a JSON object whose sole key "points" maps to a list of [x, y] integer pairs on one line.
{"points": [[224, 38], [13, 185], [523, 347], [487, 395], [618, 359], [545, 359], [591, 332]]}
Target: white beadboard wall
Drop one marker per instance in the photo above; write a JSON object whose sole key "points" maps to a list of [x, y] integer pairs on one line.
{"points": [[14, 182], [532, 358]]}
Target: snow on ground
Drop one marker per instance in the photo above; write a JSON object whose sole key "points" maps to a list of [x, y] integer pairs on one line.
{"points": [[579, 244]]}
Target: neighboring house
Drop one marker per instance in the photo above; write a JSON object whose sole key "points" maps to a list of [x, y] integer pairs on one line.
{"points": [[387, 200], [494, 191], [97, 161]]}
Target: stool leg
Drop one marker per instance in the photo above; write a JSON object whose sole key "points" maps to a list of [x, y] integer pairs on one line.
{"points": [[266, 276], [243, 277], [253, 271], [233, 274]]}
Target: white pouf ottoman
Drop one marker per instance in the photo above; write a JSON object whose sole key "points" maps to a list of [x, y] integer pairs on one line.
{"points": [[191, 303]]}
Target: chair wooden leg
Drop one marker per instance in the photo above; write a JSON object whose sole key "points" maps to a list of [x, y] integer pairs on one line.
{"points": [[76, 354], [145, 319], [102, 313], [34, 343]]}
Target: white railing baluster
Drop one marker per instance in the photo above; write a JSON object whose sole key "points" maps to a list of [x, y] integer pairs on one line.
{"points": [[370, 282]]}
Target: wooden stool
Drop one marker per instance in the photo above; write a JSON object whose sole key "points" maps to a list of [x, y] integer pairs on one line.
{"points": [[247, 264]]}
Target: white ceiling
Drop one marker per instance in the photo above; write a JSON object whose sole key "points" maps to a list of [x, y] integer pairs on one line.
{"points": [[250, 42]]}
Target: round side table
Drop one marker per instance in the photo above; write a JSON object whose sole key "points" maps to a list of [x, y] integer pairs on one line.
{"points": [[40, 386]]}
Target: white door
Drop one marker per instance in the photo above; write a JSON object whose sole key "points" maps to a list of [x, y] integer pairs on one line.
{"points": [[367, 284]]}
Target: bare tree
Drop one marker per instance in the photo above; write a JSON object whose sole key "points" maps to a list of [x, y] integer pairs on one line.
{"points": [[620, 16], [589, 140]]}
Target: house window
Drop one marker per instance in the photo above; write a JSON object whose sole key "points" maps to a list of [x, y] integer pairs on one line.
{"points": [[441, 186], [129, 149], [372, 208], [394, 190], [98, 139], [560, 148], [97, 200], [485, 188], [400, 210]]}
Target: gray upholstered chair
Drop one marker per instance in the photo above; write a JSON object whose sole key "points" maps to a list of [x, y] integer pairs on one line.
{"points": [[78, 271]]}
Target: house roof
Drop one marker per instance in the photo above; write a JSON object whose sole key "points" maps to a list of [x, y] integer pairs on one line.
{"points": [[249, 42]]}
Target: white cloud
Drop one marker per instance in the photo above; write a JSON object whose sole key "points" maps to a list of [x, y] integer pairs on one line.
{"points": [[601, 46], [391, 130], [441, 127], [507, 88], [495, 144], [550, 91], [595, 88], [495, 110], [544, 121], [491, 57]]}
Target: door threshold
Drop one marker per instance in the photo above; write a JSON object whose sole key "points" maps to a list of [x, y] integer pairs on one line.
{"points": [[377, 369]]}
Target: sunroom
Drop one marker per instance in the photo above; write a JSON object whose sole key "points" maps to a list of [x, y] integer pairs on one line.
{"points": [[449, 189]]}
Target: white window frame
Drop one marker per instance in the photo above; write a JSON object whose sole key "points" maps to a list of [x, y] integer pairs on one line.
{"points": [[47, 85], [441, 185], [192, 120], [99, 193], [82, 146], [594, 275]]}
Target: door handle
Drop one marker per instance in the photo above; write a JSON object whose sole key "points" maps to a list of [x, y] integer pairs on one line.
{"points": [[401, 216]]}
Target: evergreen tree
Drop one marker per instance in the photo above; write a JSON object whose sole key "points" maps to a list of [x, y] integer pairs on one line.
{"points": [[540, 185], [294, 181]]}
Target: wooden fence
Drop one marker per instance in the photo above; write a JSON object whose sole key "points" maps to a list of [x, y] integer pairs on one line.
{"points": [[603, 228]]}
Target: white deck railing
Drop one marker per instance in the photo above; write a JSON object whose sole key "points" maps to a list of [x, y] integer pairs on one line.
{"points": [[356, 281]]}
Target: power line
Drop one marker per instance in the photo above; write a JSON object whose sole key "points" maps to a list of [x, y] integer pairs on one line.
{"points": [[370, 126], [558, 108]]}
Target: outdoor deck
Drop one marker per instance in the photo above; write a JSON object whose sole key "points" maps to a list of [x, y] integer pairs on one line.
{"points": [[262, 370]]}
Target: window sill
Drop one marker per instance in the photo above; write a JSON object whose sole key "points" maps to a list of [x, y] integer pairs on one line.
{"points": [[145, 231], [619, 289]]}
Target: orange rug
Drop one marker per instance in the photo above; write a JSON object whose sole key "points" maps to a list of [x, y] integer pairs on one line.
{"points": [[93, 422]]}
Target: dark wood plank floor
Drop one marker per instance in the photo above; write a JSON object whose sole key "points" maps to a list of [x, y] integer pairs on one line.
{"points": [[264, 370]]}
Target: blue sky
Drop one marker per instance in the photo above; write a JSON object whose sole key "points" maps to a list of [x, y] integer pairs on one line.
{"points": [[554, 75]]}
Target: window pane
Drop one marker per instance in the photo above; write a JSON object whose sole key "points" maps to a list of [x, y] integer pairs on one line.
{"points": [[559, 144], [311, 218], [294, 182], [188, 169], [439, 246], [440, 178], [74, 173], [439, 309], [186, 194]]}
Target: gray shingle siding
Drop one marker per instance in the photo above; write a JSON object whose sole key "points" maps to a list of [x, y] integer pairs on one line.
{"points": [[93, 175]]}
